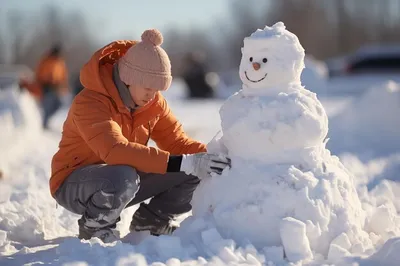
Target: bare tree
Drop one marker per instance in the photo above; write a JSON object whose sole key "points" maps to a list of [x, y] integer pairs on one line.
{"points": [[54, 26], [15, 22], [325, 28], [179, 44], [3, 59], [307, 19], [243, 21]]}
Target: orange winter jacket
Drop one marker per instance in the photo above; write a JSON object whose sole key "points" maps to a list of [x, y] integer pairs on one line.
{"points": [[100, 129]]}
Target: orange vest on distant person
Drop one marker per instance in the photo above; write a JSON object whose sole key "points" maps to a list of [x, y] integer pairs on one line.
{"points": [[51, 71]]}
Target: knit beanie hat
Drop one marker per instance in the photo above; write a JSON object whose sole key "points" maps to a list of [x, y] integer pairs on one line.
{"points": [[146, 64]]}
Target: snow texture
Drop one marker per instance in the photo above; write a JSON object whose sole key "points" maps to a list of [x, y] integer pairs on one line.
{"points": [[283, 181], [352, 127], [315, 210]]}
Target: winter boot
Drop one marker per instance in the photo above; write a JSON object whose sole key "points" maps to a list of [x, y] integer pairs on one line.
{"points": [[144, 219], [106, 234]]}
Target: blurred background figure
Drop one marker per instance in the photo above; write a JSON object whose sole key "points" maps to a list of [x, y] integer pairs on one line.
{"points": [[52, 78], [50, 82], [195, 76]]}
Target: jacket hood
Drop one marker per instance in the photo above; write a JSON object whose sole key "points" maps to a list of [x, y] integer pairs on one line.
{"points": [[96, 74]]}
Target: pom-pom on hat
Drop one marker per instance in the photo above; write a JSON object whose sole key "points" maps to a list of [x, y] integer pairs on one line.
{"points": [[146, 64]]}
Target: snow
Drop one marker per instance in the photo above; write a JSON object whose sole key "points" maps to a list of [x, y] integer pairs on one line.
{"points": [[294, 240], [33, 230], [283, 180], [277, 125], [356, 121], [18, 119], [314, 75]]}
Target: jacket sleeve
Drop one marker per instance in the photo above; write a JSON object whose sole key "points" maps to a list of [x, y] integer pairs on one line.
{"points": [[94, 123], [169, 135]]}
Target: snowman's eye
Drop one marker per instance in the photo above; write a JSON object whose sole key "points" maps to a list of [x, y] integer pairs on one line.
{"points": [[265, 60], [251, 59]]}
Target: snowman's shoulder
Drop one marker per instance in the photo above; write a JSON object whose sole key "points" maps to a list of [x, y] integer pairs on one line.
{"points": [[302, 93], [233, 99], [236, 96], [304, 97], [298, 102], [237, 104]]}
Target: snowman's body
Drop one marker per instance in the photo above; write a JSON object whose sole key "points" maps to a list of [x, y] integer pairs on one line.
{"points": [[296, 115], [284, 184]]}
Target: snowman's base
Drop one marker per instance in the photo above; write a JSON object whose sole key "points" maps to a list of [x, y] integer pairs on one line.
{"points": [[303, 210]]}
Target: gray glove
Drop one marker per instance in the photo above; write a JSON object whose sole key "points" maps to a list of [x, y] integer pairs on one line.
{"points": [[203, 164]]}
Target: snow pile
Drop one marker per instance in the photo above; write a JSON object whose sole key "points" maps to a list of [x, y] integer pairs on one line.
{"points": [[26, 213], [286, 199], [20, 121], [375, 113], [379, 192], [388, 255], [284, 189]]}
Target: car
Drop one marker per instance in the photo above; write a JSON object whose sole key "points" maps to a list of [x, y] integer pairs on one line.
{"points": [[374, 59], [367, 67]]}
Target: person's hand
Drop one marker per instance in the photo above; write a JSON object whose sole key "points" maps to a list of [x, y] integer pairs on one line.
{"points": [[204, 164]]}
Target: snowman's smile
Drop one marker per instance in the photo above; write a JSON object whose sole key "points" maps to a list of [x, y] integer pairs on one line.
{"points": [[255, 81]]}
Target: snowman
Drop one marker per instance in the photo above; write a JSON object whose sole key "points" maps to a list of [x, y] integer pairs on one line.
{"points": [[284, 189]]}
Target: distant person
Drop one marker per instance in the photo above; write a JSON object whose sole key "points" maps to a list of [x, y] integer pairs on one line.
{"points": [[52, 78], [194, 76], [104, 163]]}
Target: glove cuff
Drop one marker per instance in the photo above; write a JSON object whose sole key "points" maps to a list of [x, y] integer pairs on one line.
{"points": [[187, 164], [174, 163]]}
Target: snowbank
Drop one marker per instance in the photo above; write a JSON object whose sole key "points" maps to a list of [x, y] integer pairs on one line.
{"points": [[34, 231], [379, 190], [25, 209], [20, 121], [370, 126]]}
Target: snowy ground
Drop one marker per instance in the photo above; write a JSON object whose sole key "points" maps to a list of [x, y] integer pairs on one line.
{"points": [[364, 132]]}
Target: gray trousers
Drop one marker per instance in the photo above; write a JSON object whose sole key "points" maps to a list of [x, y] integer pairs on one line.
{"points": [[51, 102], [100, 192]]}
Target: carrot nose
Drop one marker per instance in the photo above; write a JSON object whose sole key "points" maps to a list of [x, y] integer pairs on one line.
{"points": [[256, 66]]}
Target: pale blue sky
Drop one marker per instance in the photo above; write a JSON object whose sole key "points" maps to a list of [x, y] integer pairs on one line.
{"points": [[121, 18]]}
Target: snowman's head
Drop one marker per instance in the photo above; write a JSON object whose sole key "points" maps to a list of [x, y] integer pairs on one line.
{"points": [[272, 57]]}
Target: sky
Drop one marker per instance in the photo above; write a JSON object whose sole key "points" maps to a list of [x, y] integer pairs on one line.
{"points": [[121, 18]]}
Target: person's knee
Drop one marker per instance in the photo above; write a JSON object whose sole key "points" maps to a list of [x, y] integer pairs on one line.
{"points": [[120, 187], [124, 177]]}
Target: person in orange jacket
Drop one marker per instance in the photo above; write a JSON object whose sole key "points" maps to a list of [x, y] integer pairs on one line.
{"points": [[51, 78], [104, 165]]}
